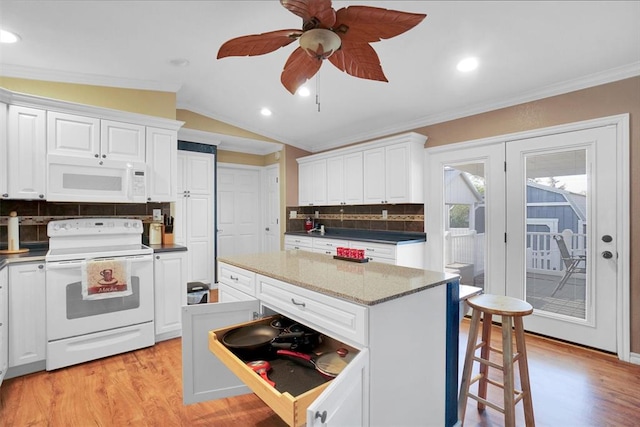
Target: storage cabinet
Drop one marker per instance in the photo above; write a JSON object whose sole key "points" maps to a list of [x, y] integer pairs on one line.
{"points": [[27, 338], [389, 170], [26, 153], [298, 242], [344, 179], [170, 293], [91, 137], [329, 246], [397, 361], [212, 371], [193, 226], [4, 322], [312, 184], [162, 164], [3, 151]]}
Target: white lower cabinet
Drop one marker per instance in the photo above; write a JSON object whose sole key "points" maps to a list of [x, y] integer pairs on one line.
{"points": [[4, 322], [212, 371], [27, 330], [170, 293]]}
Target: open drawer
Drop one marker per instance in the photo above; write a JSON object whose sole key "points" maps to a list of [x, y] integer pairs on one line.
{"points": [[296, 386]]}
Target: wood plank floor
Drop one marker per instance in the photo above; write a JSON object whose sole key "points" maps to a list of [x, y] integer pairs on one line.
{"points": [[571, 386]]}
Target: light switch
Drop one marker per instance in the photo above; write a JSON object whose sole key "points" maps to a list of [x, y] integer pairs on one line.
{"points": [[293, 214], [384, 214], [157, 214]]}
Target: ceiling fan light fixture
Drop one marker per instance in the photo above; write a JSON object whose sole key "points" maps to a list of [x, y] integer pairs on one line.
{"points": [[265, 111], [304, 91], [467, 64], [320, 43], [8, 37]]}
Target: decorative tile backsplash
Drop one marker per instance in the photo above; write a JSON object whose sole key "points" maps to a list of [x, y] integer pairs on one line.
{"points": [[401, 217], [35, 215]]}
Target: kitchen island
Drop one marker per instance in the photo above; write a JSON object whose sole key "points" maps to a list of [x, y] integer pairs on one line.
{"points": [[403, 322]]}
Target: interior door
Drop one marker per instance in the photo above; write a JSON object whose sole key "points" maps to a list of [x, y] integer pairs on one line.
{"points": [[564, 267], [239, 210], [272, 208]]}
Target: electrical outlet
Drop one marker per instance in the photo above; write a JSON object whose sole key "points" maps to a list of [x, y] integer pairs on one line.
{"points": [[384, 214], [157, 215], [293, 214], [317, 214]]}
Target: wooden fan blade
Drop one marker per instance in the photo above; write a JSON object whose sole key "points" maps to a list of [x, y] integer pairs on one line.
{"points": [[299, 68], [371, 24], [258, 44], [309, 9], [359, 60]]}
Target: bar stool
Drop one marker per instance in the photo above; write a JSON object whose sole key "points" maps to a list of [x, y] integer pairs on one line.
{"points": [[512, 310]]}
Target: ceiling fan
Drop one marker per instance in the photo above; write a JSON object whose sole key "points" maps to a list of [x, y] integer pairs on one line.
{"points": [[343, 37]]}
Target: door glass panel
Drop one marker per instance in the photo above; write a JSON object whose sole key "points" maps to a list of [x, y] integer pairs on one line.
{"points": [[464, 222], [556, 232]]}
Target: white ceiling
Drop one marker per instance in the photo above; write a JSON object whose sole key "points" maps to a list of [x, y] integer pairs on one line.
{"points": [[527, 50]]}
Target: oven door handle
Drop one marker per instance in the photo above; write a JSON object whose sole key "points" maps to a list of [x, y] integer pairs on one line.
{"points": [[58, 265]]}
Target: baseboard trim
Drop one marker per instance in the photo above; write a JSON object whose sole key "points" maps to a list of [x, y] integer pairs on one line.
{"points": [[634, 358]]}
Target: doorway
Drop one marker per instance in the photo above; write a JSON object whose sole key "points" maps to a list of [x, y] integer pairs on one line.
{"points": [[539, 216]]}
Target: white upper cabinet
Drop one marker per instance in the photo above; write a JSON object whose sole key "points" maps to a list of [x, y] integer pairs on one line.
{"points": [[122, 141], [26, 152], [74, 135], [312, 187], [345, 179], [162, 165], [388, 170]]}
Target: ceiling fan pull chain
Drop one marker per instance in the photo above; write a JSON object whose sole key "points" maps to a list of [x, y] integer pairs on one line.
{"points": [[318, 91]]}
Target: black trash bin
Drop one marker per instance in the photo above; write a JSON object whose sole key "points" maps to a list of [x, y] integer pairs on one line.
{"points": [[197, 293]]}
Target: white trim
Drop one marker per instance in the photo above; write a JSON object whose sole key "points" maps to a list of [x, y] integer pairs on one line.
{"points": [[634, 358], [193, 135], [49, 104], [621, 122]]}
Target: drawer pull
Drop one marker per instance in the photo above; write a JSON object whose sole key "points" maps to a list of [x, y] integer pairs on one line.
{"points": [[371, 250], [234, 278], [322, 416], [298, 303]]}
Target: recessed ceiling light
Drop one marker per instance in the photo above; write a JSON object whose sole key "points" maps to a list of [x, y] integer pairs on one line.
{"points": [[467, 64], [265, 112], [304, 91], [8, 37], [179, 62]]}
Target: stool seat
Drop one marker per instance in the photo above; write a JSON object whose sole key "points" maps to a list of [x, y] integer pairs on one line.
{"points": [[511, 310], [500, 305]]}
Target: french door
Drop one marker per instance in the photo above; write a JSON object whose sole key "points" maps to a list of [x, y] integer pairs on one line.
{"points": [[534, 218]]}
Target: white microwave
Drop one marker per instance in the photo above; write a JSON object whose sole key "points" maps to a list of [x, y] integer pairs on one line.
{"points": [[77, 179]]}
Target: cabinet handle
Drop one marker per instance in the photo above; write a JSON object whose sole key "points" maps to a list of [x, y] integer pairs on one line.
{"points": [[234, 278], [157, 256], [41, 266], [5, 195], [104, 156], [322, 416], [298, 303], [148, 199], [370, 250], [96, 155], [41, 196]]}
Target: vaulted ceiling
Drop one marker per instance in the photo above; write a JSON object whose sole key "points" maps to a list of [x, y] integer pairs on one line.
{"points": [[526, 50]]}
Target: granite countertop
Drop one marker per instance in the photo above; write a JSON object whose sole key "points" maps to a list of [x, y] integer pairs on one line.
{"points": [[373, 236], [367, 283], [35, 253]]}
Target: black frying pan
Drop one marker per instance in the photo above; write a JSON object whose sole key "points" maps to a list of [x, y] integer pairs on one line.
{"points": [[251, 337]]}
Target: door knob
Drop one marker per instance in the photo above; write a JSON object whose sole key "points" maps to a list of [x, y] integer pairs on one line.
{"points": [[266, 229], [607, 255], [606, 238]]}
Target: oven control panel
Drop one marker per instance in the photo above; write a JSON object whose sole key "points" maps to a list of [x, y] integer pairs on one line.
{"points": [[94, 226]]}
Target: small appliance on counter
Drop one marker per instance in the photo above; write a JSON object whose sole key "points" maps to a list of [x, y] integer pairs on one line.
{"points": [[155, 233], [13, 235]]}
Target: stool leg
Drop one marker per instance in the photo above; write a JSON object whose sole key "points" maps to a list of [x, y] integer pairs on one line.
{"points": [[485, 351], [523, 366], [468, 363], [507, 365]]}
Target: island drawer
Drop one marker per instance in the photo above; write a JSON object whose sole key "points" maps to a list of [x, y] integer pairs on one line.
{"points": [[237, 278], [290, 406], [328, 246], [331, 316]]}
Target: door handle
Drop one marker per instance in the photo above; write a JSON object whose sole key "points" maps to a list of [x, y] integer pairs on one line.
{"points": [[266, 229], [607, 255], [607, 239]]}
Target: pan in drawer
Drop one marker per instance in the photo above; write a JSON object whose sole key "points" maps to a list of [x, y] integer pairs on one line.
{"points": [[296, 386]]}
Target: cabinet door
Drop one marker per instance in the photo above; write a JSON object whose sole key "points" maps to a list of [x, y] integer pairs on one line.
{"points": [[345, 402], [170, 286], [162, 164], [72, 135], [122, 141], [204, 376], [353, 179], [305, 189], [199, 173], [397, 165], [4, 323], [336, 180], [319, 183], [374, 176], [3, 151], [199, 221], [26, 153], [27, 338]]}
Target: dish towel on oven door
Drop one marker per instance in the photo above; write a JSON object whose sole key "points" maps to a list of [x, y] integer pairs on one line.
{"points": [[106, 278]]}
